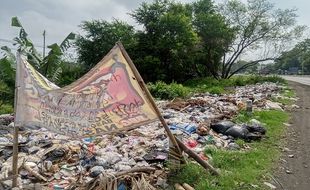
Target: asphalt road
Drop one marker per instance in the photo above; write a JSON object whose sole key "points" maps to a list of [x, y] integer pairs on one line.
{"points": [[303, 80]]}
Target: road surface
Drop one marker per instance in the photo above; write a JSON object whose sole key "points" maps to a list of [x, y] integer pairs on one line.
{"points": [[294, 168], [303, 80]]}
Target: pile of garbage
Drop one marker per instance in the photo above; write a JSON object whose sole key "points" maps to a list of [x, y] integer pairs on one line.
{"points": [[59, 162], [51, 161]]}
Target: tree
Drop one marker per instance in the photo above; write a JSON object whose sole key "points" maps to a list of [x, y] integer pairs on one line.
{"points": [[299, 57], [49, 65], [7, 85], [166, 43], [249, 70], [70, 72], [215, 35], [257, 25], [100, 36]]}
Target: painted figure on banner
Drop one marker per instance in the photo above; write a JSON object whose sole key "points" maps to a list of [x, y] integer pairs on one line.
{"points": [[105, 99]]}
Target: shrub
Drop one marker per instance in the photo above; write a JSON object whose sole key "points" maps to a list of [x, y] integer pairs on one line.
{"points": [[216, 90], [253, 79], [275, 79], [6, 108], [162, 90], [240, 81]]}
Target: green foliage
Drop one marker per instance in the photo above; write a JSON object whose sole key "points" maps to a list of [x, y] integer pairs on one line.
{"points": [[242, 117], [6, 94], [6, 108], [175, 44], [184, 41], [253, 79], [100, 36], [298, 57], [49, 66], [287, 98], [7, 82], [215, 86], [216, 90], [215, 40], [257, 25], [252, 69], [239, 81], [284, 101], [7, 85], [162, 90], [209, 84], [210, 150], [165, 46], [70, 73], [203, 84], [240, 142], [289, 93], [240, 169]]}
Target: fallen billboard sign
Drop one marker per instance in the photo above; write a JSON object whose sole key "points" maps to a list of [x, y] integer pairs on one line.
{"points": [[108, 98]]}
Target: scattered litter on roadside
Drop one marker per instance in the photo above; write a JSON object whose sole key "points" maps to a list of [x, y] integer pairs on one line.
{"points": [[270, 185], [288, 171], [291, 156], [53, 161]]}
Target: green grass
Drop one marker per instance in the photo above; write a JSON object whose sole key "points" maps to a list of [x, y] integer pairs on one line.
{"points": [[162, 90], [288, 92], [241, 169], [222, 85], [5, 108], [284, 101], [216, 90], [287, 98]]}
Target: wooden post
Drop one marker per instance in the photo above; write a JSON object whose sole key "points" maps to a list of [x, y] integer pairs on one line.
{"points": [[148, 95], [16, 124], [196, 157], [176, 142]]}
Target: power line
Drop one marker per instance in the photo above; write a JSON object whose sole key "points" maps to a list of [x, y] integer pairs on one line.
{"points": [[11, 41], [35, 45]]}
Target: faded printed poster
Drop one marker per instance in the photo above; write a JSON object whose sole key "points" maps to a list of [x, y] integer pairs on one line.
{"points": [[106, 99]]}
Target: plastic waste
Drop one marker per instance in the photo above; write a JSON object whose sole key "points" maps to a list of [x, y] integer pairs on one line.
{"points": [[222, 126], [121, 186], [237, 131], [192, 143]]}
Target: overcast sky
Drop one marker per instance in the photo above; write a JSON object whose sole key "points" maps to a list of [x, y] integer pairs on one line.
{"points": [[60, 17]]}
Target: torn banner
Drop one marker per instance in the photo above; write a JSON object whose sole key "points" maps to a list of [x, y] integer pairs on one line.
{"points": [[108, 98]]}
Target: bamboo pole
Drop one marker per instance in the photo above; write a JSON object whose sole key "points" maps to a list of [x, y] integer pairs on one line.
{"points": [[176, 142], [196, 157], [133, 170], [187, 187], [16, 127], [148, 95], [177, 186]]}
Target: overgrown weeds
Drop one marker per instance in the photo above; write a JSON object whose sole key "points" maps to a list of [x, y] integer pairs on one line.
{"points": [[6, 108], [162, 90], [245, 169]]}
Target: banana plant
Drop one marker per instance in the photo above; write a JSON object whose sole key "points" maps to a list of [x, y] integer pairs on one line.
{"points": [[50, 65]]}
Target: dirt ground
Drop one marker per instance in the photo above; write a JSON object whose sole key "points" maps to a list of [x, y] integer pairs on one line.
{"points": [[294, 168]]}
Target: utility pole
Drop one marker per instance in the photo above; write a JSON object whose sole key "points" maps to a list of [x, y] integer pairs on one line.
{"points": [[44, 43]]}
